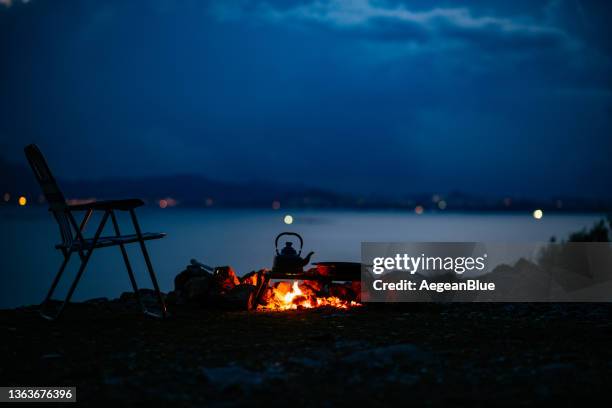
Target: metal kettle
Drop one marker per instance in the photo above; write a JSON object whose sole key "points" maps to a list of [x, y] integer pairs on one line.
{"points": [[288, 260]]}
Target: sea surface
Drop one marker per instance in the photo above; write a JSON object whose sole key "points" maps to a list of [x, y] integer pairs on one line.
{"points": [[243, 239]]}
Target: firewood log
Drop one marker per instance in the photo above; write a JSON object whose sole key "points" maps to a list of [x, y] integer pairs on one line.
{"points": [[241, 297], [225, 278]]}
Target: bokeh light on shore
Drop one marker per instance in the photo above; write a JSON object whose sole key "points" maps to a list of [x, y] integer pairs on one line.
{"points": [[22, 201], [167, 202], [538, 214], [288, 219], [418, 210]]}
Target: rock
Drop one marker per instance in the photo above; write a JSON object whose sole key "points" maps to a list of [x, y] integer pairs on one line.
{"points": [[398, 354], [148, 296], [196, 290], [524, 281], [349, 345], [233, 376], [192, 271], [96, 301], [307, 362]]}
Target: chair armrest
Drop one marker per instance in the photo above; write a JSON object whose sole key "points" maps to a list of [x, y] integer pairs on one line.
{"points": [[122, 205]]}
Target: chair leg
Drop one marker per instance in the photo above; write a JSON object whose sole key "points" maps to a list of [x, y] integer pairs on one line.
{"points": [[74, 284], [80, 272], [53, 286], [145, 254], [128, 266], [130, 272]]}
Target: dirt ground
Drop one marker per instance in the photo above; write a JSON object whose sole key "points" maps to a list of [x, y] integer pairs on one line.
{"points": [[424, 354]]}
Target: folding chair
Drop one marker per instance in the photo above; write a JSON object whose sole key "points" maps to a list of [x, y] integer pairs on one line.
{"points": [[73, 240]]}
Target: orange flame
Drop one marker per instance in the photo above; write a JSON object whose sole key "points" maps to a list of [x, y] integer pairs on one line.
{"points": [[286, 296]]}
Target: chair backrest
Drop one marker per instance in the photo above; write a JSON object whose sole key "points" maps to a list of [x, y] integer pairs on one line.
{"points": [[51, 191]]}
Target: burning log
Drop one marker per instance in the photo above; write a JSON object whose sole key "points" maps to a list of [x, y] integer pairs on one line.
{"points": [[225, 278], [253, 277], [260, 280]]}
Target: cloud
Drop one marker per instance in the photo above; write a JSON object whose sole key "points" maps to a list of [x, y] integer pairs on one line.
{"points": [[436, 27]]}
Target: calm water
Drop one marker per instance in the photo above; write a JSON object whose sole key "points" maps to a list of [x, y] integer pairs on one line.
{"points": [[243, 239]]}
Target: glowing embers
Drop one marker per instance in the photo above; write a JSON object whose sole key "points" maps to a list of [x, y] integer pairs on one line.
{"points": [[308, 295]]}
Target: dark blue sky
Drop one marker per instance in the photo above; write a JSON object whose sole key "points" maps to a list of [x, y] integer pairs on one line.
{"points": [[508, 97]]}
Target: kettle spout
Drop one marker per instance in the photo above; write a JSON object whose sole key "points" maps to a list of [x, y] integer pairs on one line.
{"points": [[306, 260]]}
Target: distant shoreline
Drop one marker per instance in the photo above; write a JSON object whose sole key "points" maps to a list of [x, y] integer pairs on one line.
{"points": [[408, 211]]}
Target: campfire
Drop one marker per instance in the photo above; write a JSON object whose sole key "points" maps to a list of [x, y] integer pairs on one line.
{"points": [[200, 285], [305, 295], [299, 289], [287, 286]]}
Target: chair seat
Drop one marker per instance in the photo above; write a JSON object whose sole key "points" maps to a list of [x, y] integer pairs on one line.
{"points": [[123, 205], [110, 241]]}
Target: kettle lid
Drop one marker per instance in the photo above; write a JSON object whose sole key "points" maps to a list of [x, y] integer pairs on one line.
{"points": [[288, 245], [288, 249]]}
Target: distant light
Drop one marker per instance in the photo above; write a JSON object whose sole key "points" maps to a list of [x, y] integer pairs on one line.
{"points": [[23, 201], [163, 203], [209, 202], [435, 198], [7, 197], [275, 205], [538, 214], [418, 210], [9, 3], [442, 204], [288, 219]]}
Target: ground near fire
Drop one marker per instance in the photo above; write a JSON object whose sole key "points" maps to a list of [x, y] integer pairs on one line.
{"points": [[432, 354]]}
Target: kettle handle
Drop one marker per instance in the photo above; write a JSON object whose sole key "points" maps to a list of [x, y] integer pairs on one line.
{"points": [[295, 234]]}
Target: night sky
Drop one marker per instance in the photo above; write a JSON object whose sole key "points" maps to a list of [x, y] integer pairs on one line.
{"points": [[381, 96]]}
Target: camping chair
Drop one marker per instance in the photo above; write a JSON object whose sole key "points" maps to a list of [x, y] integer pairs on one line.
{"points": [[73, 240]]}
